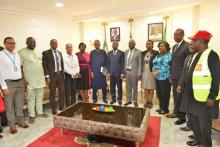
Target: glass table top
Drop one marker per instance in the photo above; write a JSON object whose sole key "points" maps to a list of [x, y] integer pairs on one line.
{"points": [[126, 116]]}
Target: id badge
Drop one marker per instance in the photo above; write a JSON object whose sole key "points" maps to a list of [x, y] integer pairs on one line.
{"points": [[15, 69]]}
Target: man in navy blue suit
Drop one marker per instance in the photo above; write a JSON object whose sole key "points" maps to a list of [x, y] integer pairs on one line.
{"points": [[115, 67]]}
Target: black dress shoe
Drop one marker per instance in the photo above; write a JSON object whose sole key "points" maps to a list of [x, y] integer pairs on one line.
{"points": [[135, 104], [180, 121], [112, 102], [94, 101], [127, 103], [54, 112], [193, 143], [158, 110], [172, 116], [186, 129], [120, 102], [1, 136], [163, 112], [193, 136], [1, 130], [105, 101]]}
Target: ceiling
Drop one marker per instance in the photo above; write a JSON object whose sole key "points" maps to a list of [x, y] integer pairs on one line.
{"points": [[84, 9]]}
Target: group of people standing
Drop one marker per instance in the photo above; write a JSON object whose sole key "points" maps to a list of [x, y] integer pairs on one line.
{"points": [[192, 69]]}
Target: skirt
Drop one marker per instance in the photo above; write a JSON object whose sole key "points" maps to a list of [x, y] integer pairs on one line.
{"points": [[147, 82], [83, 82]]}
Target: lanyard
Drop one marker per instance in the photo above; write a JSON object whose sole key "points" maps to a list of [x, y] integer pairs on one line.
{"points": [[12, 60]]}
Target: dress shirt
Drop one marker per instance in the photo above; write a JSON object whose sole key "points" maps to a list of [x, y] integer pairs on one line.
{"points": [[115, 52], [71, 64], [10, 66], [2, 81], [55, 52]]}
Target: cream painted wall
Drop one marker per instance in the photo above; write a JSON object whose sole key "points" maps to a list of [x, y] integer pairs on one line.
{"points": [[43, 29], [210, 20], [183, 18]]}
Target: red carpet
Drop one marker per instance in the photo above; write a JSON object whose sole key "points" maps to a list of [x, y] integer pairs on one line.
{"points": [[54, 138]]}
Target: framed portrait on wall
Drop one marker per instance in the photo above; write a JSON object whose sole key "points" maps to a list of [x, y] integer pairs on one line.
{"points": [[155, 31], [115, 34]]}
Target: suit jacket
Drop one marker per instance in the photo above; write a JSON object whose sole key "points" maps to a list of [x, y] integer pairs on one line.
{"points": [[154, 54], [179, 56], [115, 63], [136, 62], [49, 62]]}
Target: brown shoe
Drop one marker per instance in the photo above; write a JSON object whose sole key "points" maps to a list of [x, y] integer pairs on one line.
{"points": [[31, 120], [23, 125], [186, 129], [13, 130], [44, 115]]}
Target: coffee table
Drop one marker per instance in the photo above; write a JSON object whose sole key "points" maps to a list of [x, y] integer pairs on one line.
{"points": [[127, 123]]}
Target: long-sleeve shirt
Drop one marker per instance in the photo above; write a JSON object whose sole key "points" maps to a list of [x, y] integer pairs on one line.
{"points": [[161, 64], [10, 66], [71, 64], [2, 81]]}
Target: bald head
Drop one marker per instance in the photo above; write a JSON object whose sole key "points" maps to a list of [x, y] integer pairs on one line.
{"points": [[178, 35], [53, 44], [97, 44], [31, 43], [132, 44]]}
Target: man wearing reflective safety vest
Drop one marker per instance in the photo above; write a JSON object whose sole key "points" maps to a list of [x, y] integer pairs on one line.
{"points": [[202, 88]]}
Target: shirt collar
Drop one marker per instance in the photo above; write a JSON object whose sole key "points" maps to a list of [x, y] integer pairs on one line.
{"points": [[12, 53], [53, 50], [179, 43]]}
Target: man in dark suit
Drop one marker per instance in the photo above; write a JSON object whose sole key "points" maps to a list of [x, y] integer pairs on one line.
{"points": [[115, 66], [53, 70], [180, 52]]}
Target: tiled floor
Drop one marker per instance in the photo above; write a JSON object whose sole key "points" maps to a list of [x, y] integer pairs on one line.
{"points": [[170, 135]]}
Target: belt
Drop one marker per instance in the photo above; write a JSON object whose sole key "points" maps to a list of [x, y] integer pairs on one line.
{"points": [[56, 73], [8, 80]]}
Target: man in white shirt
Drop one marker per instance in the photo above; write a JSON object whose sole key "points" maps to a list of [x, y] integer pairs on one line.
{"points": [[13, 90], [71, 73]]}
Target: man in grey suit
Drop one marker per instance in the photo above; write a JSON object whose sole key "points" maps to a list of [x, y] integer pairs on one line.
{"points": [[179, 52], [133, 71], [115, 67]]}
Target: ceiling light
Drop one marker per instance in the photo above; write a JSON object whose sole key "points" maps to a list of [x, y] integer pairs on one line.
{"points": [[59, 5]]}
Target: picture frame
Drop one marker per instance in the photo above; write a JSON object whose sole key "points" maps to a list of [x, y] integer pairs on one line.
{"points": [[155, 31], [115, 34]]}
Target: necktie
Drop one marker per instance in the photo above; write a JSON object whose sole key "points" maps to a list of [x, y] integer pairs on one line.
{"points": [[129, 59], [176, 47], [57, 60]]}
